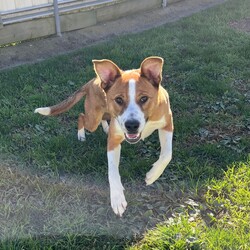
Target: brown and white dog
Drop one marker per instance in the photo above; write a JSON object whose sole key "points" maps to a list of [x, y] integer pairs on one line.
{"points": [[135, 103]]}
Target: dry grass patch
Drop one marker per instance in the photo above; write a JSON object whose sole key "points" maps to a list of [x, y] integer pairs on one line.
{"points": [[242, 25], [38, 205]]}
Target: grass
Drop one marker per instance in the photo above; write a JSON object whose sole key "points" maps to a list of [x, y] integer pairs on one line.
{"points": [[220, 222], [54, 190]]}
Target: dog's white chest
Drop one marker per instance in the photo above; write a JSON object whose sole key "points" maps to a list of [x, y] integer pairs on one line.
{"points": [[151, 126]]}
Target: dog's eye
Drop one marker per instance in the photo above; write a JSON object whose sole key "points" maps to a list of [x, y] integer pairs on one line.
{"points": [[143, 99], [119, 100]]}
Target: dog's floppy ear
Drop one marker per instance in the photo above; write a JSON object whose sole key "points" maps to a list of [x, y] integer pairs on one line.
{"points": [[107, 71], [151, 68]]}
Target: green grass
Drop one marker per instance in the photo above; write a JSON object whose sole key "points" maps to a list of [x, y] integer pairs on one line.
{"points": [[221, 221], [206, 72]]}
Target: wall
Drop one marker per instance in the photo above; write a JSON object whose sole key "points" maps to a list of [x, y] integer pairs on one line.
{"points": [[8, 5], [85, 17]]}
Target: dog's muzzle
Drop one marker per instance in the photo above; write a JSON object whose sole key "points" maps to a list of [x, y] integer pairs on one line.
{"points": [[132, 136]]}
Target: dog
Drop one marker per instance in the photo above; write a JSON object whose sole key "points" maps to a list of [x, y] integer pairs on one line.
{"points": [[135, 104]]}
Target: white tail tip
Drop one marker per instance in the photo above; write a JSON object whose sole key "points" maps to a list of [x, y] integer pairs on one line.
{"points": [[43, 111]]}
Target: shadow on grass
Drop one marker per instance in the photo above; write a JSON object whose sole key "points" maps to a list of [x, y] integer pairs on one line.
{"points": [[73, 212], [71, 241]]}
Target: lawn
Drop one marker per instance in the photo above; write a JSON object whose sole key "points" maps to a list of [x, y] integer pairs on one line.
{"points": [[54, 190]]}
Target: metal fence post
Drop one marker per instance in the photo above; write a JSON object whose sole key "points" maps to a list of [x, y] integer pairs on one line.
{"points": [[1, 22], [57, 18], [164, 3]]}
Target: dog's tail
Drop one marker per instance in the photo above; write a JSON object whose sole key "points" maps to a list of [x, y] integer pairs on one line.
{"points": [[66, 104]]}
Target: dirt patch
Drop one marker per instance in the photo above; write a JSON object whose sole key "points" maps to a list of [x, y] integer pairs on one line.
{"points": [[242, 25], [33, 205]]}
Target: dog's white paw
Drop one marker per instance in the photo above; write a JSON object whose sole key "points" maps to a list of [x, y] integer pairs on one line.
{"points": [[81, 135], [118, 202], [155, 172], [152, 176], [157, 169]]}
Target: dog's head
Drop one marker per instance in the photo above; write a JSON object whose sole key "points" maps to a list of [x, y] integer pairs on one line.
{"points": [[131, 95]]}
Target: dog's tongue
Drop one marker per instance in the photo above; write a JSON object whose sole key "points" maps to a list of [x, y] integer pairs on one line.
{"points": [[132, 136]]}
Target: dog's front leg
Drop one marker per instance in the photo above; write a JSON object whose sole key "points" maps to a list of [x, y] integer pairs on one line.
{"points": [[165, 156], [117, 197]]}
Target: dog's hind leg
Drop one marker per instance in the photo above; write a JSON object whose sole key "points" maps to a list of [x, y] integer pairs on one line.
{"points": [[105, 122], [89, 121], [81, 131], [105, 126]]}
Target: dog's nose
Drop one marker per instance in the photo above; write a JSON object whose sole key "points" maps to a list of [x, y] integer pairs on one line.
{"points": [[132, 126]]}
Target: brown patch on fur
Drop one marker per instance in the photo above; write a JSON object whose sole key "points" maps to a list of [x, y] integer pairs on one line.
{"points": [[114, 137], [170, 126]]}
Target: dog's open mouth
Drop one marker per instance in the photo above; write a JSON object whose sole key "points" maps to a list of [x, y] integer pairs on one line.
{"points": [[133, 138]]}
